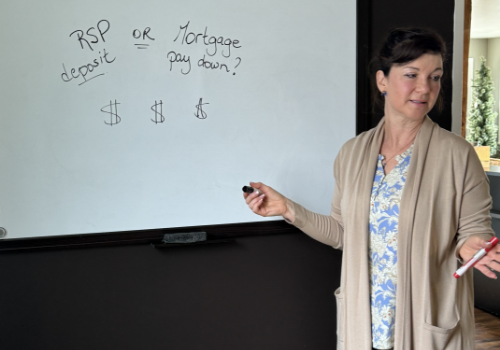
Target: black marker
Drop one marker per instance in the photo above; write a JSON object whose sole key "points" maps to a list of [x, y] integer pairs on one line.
{"points": [[248, 189]]}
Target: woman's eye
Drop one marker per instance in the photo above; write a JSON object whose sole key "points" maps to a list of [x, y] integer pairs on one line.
{"points": [[411, 75], [436, 78]]}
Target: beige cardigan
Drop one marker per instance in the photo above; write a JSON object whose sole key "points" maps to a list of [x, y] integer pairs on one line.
{"points": [[446, 199]]}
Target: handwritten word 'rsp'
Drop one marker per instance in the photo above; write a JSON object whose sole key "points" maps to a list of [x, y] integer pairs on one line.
{"points": [[80, 34]]}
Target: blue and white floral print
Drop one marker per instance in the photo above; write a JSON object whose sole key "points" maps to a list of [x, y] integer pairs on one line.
{"points": [[384, 217]]}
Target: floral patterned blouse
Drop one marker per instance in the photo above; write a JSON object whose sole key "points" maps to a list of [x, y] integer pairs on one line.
{"points": [[384, 216]]}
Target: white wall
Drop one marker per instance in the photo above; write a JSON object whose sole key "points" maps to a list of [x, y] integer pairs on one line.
{"points": [[493, 61], [490, 49], [457, 78], [478, 48]]}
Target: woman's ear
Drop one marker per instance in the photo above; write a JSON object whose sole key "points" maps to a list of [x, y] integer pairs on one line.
{"points": [[381, 81]]}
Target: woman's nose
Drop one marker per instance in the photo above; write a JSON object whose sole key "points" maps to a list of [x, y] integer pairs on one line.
{"points": [[423, 86]]}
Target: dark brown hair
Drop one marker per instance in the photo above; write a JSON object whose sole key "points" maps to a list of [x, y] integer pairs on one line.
{"points": [[401, 46]]}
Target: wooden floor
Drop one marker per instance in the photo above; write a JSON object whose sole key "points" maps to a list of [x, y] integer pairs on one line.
{"points": [[487, 330]]}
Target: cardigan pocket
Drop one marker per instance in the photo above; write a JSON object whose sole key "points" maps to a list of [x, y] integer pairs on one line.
{"points": [[443, 338], [339, 298]]}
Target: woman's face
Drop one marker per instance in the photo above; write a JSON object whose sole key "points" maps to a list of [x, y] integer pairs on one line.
{"points": [[412, 88]]}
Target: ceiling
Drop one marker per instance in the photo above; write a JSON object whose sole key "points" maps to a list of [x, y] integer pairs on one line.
{"points": [[485, 19]]}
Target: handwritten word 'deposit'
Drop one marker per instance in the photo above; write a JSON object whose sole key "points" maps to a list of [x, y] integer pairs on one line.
{"points": [[87, 68]]}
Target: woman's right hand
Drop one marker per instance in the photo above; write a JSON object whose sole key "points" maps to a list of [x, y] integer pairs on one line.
{"points": [[268, 203]]}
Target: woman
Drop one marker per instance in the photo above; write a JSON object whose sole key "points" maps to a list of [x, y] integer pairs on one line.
{"points": [[410, 199]]}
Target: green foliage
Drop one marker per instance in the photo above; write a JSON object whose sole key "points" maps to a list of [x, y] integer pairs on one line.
{"points": [[482, 120]]}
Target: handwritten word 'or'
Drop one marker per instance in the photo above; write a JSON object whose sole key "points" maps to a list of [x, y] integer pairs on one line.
{"points": [[190, 38], [145, 34], [157, 108]]}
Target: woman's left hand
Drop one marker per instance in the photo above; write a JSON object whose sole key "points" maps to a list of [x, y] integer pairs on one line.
{"points": [[490, 263]]}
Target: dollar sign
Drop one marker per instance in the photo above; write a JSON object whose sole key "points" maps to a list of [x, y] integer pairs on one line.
{"points": [[200, 114], [112, 114], [154, 108]]}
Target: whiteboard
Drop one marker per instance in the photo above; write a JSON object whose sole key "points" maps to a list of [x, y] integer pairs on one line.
{"points": [[127, 115]]}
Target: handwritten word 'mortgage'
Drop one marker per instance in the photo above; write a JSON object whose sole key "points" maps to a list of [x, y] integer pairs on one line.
{"points": [[190, 38]]}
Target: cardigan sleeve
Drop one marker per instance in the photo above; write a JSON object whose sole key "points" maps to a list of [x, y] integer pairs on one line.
{"points": [[327, 229], [474, 218]]}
